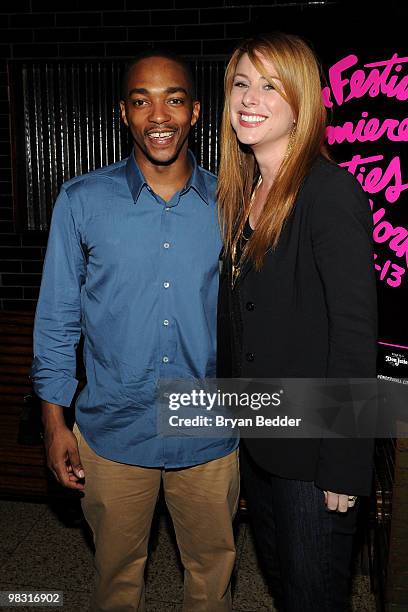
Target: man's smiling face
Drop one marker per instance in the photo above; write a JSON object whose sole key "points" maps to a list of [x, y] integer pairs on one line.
{"points": [[159, 109]]}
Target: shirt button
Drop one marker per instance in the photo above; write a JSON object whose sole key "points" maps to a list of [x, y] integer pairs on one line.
{"points": [[167, 209], [166, 322], [166, 285], [165, 359], [166, 245], [250, 306], [250, 356]]}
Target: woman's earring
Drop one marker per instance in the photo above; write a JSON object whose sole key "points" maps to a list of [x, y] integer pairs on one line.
{"points": [[291, 140]]}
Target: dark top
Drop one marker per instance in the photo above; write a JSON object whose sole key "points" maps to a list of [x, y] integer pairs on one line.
{"points": [[311, 311]]}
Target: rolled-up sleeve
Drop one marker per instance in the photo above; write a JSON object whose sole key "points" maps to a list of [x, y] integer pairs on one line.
{"points": [[57, 327]]}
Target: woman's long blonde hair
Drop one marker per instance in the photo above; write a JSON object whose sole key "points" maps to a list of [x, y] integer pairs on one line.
{"points": [[298, 70]]}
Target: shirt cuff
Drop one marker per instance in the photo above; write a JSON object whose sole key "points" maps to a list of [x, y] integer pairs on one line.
{"points": [[56, 391]]}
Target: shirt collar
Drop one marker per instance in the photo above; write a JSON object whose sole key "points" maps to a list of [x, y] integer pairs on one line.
{"points": [[134, 177], [136, 180], [196, 180]]}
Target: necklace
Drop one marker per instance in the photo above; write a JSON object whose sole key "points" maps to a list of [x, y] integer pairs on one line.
{"points": [[236, 263]]}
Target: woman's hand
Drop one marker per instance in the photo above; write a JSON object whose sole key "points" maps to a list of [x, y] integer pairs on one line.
{"points": [[338, 501]]}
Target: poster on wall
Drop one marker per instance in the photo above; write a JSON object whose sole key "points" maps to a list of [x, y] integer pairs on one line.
{"points": [[366, 97], [364, 57]]}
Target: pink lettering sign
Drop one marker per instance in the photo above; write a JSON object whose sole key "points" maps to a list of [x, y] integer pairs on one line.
{"points": [[360, 82], [368, 130], [377, 179], [377, 175]]}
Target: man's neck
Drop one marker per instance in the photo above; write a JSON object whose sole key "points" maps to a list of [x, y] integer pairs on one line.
{"points": [[165, 180]]}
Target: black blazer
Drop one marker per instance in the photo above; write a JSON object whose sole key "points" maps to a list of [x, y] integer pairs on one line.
{"points": [[310, 312]]}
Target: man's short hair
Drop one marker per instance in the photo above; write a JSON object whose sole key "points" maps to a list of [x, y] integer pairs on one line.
{"points": [[159, 52]]}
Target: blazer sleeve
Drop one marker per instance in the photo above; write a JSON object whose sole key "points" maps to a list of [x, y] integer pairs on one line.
{"points": [[224, 331], [342, 246]]}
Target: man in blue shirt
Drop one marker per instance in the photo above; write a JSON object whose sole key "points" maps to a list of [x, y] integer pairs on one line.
{"points": [[132, 264]]}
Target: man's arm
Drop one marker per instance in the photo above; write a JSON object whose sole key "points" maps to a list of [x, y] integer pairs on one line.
{"points": [[57, 331]]}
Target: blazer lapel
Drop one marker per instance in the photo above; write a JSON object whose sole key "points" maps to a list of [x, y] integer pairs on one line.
{"points": [[247, 266]]}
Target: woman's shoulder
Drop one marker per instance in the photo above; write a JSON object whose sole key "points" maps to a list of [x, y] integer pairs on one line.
{"points": [[327, 172], [328, 182]]}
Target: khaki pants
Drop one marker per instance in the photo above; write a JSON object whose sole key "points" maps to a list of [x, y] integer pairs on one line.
{"points": [[118, 504]]}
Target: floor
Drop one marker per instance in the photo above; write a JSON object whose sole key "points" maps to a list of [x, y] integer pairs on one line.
{"points": [[38, 551]]}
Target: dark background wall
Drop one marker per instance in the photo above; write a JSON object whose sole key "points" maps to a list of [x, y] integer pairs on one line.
{"points": [[118, 29], [108, 28]]}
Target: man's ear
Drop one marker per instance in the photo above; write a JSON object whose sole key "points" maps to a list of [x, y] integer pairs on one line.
{"points": [[123, 112], [196, 112]]}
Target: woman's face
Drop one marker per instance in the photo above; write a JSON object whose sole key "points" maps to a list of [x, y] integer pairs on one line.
{"points": [[260, 117]]}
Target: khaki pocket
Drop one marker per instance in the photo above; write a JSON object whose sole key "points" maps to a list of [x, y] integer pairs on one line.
{"points": [[77, 433]]}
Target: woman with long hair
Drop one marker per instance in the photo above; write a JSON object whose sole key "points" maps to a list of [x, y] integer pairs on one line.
{"points": [[297, 300]]}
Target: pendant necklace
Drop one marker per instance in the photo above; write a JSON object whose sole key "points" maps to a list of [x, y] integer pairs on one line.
{"points": [[236, 264]]}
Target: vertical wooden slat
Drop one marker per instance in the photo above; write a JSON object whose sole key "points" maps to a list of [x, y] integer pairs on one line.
{"points": [[85, 119], [39, 137], [52, 143], [28, 151]]}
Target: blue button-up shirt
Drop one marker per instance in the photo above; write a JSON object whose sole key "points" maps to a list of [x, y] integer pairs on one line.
{"points": [[138, 276]]}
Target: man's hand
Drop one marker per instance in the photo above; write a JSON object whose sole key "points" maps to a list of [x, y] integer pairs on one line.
{"points": [[62, 448], [63, 457], [338, 501]]}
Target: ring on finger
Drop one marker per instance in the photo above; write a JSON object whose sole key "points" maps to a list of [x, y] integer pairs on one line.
{"points": [[352, 500]]}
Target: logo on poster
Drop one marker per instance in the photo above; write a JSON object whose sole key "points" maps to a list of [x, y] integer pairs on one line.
{"points": [[396, 359]]}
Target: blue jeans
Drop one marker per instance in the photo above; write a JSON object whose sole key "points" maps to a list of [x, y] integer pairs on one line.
{"points": [[304, 549]]}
